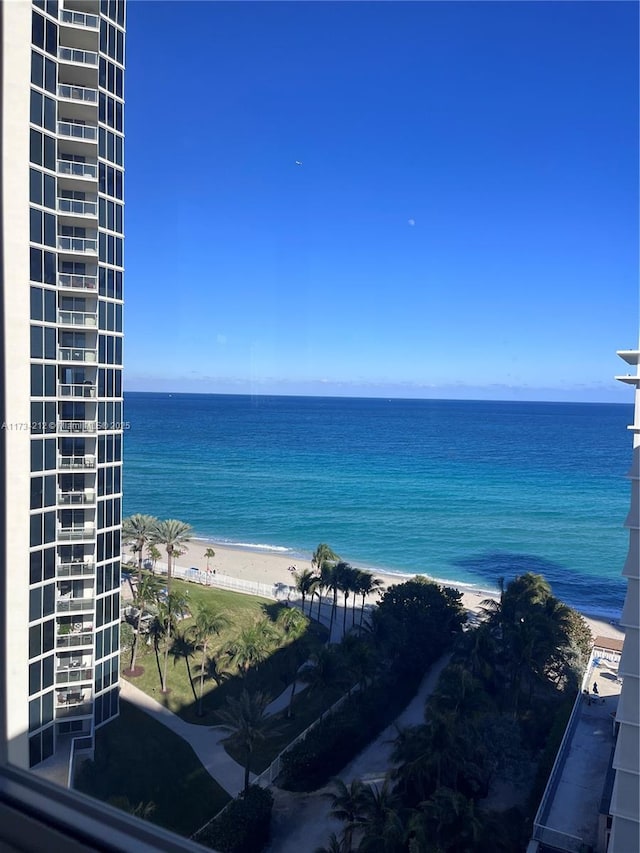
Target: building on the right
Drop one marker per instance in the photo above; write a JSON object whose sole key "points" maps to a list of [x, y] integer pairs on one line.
{"points": [[625, 797]]}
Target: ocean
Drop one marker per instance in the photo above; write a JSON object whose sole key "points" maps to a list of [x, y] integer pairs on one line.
{"points": [[464, 491]]}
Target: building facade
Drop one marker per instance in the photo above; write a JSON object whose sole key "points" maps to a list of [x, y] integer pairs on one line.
{"points": [[63, 211], [625, 797]]}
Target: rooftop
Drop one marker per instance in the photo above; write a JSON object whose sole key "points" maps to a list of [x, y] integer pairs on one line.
{"points": [[568, 816]]}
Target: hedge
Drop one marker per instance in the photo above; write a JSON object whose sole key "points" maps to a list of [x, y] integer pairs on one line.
{"points": [[243, 827]]}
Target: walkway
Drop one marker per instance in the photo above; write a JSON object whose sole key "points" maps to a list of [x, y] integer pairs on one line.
{"points": [[205, 741], [303, 821]]}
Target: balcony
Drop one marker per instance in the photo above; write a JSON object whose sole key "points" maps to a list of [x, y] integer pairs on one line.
{"points": [[78, 318], [73, 676], [84, 498], [77, 427], [74, 605], [72, 704], [75, 570], [76, 463], [72, 639], [79, 57], [78, 245], [88, 390], [72, 130], [79, 19], [76, 534], [83, 94], [77, 207], [78, 170], [76, 354], [78, 282]]}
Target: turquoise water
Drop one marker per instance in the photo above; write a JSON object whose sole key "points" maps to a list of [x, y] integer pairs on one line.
{"points": [[461, 490]]}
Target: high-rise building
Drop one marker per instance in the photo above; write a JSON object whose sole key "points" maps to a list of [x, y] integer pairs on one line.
{"points": [[625, 798], [62, 245]]}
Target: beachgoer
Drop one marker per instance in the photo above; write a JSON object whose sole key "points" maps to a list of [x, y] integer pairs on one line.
{"points": [[595, 688]]}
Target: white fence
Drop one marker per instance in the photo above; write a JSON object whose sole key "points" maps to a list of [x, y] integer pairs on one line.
{"points": [[276, 591]]}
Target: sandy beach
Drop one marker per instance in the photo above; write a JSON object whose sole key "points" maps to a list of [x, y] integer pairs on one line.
{"points": [[271, 567]]}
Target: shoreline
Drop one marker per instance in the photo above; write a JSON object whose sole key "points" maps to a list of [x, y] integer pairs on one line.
{"points": [[269, 564]]}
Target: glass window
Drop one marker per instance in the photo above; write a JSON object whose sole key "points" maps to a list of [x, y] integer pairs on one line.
{"points": [[37, 66], [51, 44], [35, 606], [35, 186], [35, 531], [34, 678], [49, 154], [37, 29], [35, 107], [35, 226], [50, 76], [50, 230], [35, 147], [50, 343], [36, 380], [48, 635], [36, 455], [49, 191], [50, 114], [34, 723], [50, 302]]}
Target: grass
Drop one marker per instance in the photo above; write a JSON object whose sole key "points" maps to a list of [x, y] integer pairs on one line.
{"points": [[140, 759], [242, 610]]}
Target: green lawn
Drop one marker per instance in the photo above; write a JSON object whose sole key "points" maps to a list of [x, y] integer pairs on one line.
{"points": [[242, 611], [142, 760]]}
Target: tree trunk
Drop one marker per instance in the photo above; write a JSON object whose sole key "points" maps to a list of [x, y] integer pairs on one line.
{"points": [[303, 597], [204, 658], [247, 769], [166, 660], [362, 609], [169, 554], [333, 610], [344, 618], [136, 637]]}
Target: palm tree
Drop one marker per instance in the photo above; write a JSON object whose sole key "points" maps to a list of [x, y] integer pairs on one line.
{"points": [[138, 530], [367, 584], [323, 554], [245, 718], [147, 591], [154, 554], [346, 585], [333, 580], [294, 626], [172, 534], [328, 671], [346, 802], [335, 845], [305, 581], [184, 647], [380, 819], [209, 622], [209, 554], [169, 611], [253, 645]]}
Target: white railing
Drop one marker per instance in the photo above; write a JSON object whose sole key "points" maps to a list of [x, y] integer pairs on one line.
{"points": [[78, 207], [81, 709], [76, 390], [86, 245], [558, 840], [77, 498], [72, 675], [79, 19], [78, 318], [77, 426], [266, 590], [78, 93], [74, 354], [69, 570], [77, 170], [76, 462], [77, 282], [74, 534], [85, 57], [74, 639], [73, 605], [74, 130]]}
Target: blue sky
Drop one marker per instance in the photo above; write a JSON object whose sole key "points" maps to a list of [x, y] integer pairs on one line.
{"points": [[464, 222]]}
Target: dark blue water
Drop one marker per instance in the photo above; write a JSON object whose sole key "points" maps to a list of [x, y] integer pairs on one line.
{"points": [[460, 490]]}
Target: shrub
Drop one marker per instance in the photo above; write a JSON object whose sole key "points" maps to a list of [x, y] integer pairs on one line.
{"points": [[243, 827], [335, 741]]}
